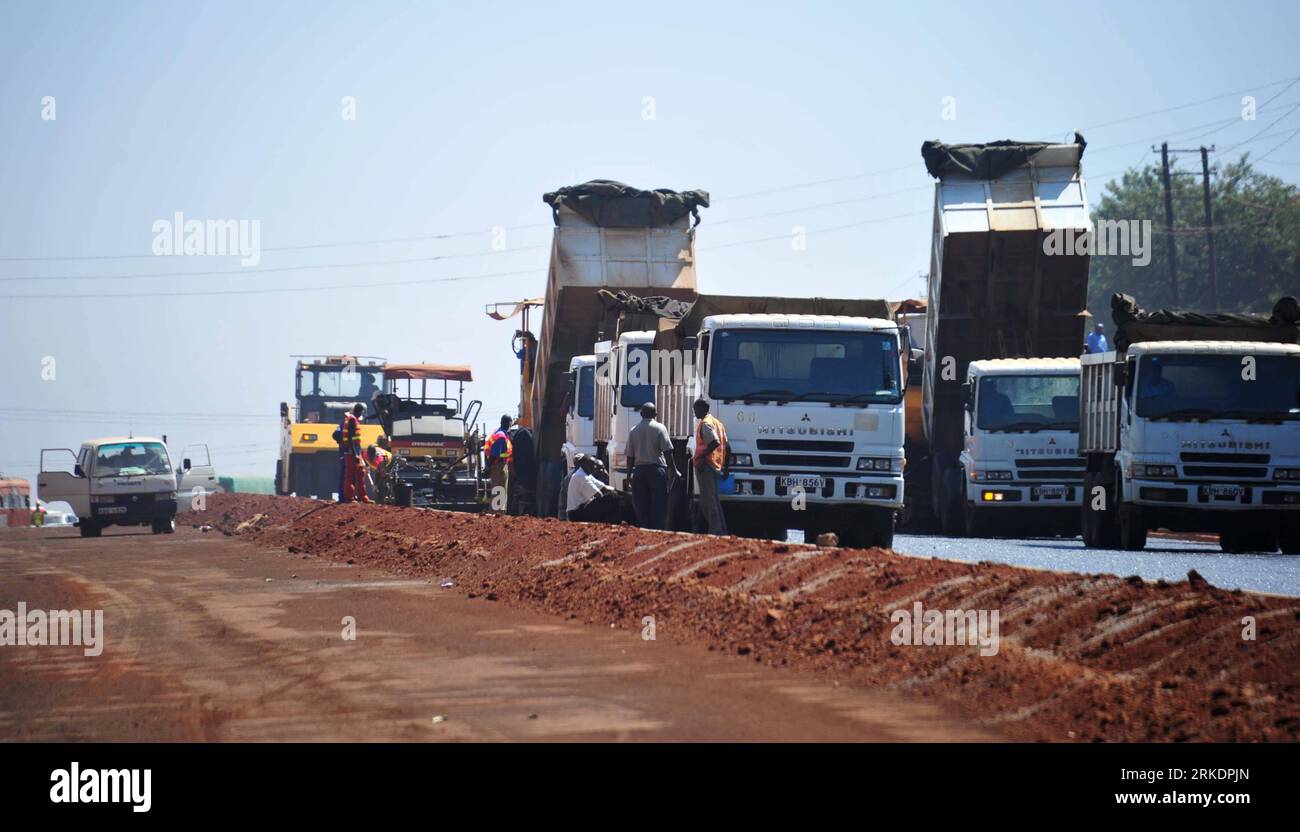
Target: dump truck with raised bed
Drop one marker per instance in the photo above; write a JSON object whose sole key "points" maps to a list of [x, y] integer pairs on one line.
{"points": [[608, 238], [994, 292], [433, 436], [810, 391], [325, 389], [1192, 423]]}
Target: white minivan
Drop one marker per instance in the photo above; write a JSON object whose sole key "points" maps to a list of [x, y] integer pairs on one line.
{"points": [[119, 481]]}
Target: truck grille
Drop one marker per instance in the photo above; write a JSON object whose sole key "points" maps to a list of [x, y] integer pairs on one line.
{"points": [[1060, 469], [805, 445], [1224, 471], [804, 461], [1246, 459]]}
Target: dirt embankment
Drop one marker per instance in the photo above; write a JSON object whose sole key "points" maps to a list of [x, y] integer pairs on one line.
{"points": [[1080, 657]]}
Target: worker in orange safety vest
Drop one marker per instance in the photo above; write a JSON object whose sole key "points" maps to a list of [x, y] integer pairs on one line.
{"points": [[497, 451], [354, 473]]}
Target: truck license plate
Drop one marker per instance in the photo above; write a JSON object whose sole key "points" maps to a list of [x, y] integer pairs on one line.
{"points": [[1051, 492], [1225, 492], [113, 510], [804, 481]]}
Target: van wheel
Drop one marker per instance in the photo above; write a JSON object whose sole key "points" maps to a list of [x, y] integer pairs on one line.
{"points": [[90, 529]]}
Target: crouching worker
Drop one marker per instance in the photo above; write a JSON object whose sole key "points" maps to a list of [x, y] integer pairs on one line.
{"points": [[589, 499]]}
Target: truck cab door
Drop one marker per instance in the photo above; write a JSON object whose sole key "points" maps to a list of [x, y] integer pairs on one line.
{"points": [[195, 476], [63, 478]]}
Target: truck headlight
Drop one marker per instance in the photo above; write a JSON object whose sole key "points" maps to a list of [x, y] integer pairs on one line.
{"points": [[740, 460], [1160, 471], [869, 463], [1286, 474]]}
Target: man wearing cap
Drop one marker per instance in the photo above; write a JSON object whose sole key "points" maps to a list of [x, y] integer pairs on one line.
{"points": [[649, 456]]}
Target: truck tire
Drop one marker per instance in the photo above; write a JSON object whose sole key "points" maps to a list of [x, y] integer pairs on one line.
{"points": [[1100, 531], [1241, 541], [89, 528], [979, 522], [1132, 529], [166, 525], [1289, 541], [882, 530], [952, 501]]}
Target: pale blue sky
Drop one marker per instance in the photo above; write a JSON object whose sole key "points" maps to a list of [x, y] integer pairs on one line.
{"points": [[466, 114]]}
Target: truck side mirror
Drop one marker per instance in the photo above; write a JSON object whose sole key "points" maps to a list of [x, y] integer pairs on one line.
{"points": [[967, 396], [77, 472], [690, 343], [185, 465], [1120, 375], [284, 410]]}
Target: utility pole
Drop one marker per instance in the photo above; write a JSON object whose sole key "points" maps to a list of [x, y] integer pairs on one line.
{"points": [[1172, 244], [1209, 225]]}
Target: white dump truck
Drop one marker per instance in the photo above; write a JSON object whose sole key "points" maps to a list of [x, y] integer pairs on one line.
{"points": [[997, 288], [810, 391], [1193, 424], [611, 241], [1020, 460], [124, 481]]}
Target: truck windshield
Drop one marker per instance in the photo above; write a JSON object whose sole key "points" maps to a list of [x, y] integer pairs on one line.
{"points": [[1190, 387], [638, 369], [1028, 403], [352, 384], [586, 391], [131, 459], [805, 365]]}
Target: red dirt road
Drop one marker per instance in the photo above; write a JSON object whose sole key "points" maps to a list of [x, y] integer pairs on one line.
{"points": [[1081, 657], [212, 638]]}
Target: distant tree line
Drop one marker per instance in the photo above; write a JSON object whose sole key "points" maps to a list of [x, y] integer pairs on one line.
{"points": [[1256, 239]]}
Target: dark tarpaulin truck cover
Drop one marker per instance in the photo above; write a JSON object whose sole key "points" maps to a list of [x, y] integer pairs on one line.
{"points": [[1133, 324], [610, 204], [983, 161]]}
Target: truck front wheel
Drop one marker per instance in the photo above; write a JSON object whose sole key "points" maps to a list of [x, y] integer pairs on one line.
{"points": [[90, 529], [165, 525], [1289, 542], [1240, 541], [1132, 529]]}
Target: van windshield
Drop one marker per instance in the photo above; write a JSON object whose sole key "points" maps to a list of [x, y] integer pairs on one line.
{"points": [[131, 459], [835, 366], [1028, 403]]}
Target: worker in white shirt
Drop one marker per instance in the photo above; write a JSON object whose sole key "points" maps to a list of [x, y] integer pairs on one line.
{"points": [[589, 499]]}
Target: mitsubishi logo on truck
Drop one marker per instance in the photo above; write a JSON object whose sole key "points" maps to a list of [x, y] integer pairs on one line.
{"points": [[805, 418], [770, 430]]}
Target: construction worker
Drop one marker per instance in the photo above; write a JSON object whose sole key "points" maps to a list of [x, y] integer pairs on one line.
{"points": [[354, 477], [563, 502], [710, 464], [649, 457], [343, 467], [1096, 340], [497, 451], [380, 461]]}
